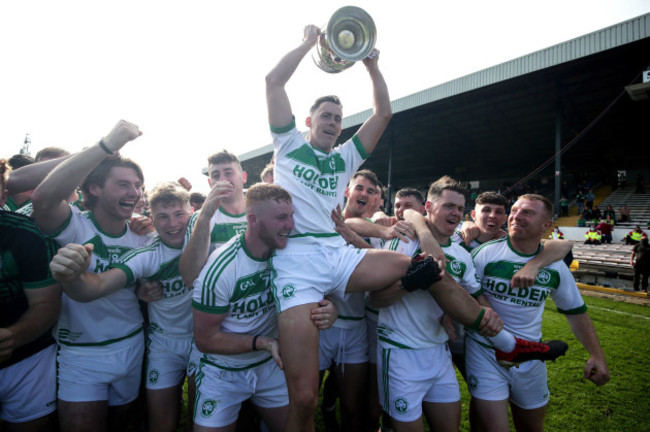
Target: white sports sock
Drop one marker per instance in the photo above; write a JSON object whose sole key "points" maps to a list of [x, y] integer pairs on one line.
{"points": [[504, 341]]}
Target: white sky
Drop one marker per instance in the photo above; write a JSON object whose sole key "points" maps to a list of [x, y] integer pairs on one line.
{"points": [[191, 73]]}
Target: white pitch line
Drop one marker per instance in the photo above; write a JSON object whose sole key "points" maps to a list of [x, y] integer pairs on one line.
{"points": [[618, 312]]}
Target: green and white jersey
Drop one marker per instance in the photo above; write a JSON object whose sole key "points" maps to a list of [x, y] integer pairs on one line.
{"points": [[521, 308], [413, 322], [11, 205], [236, 284], [112, 318], [461, 267], [28, 208], [316, 181], [224, 227], [458, 238], [171, 315]]}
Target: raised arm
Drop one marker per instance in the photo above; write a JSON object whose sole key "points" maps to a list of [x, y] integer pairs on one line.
{"points": [[69, 267], [197, 249], [277, 99], [51, 208], [30, 176], [371, 130], [554, 250], [596, 369]]}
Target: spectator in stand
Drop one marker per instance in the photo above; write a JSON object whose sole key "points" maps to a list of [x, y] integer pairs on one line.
{"points": [[556, 234], [635, 236], [582, 222], [606, 229], [609, 212], [564, 206], [580, 201], [196, 201], [593, 236], [589, 198], [596, 214], [625, 214], [640, 261], [588, 214]]}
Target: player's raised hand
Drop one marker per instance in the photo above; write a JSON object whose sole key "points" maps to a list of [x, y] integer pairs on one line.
{"points": [[220, 189], [122, 133], [310, 34], [71, 261]]}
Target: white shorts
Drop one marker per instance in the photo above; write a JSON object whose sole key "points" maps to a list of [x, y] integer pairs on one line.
{"points": [[95, 374], [166, 361], [371, 326], [194, 359], [306, 272], [220, 392], [28, 388], [343, 345], [408, 377], [525, 386]]}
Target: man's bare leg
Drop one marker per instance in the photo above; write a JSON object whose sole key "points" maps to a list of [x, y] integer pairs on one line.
{"points": [[529, 420], [299, 349], [380, 269], [83, 416], [47, 423], [163, 408], [492, 415], [275, 418], [352, 383], [442, 417]]}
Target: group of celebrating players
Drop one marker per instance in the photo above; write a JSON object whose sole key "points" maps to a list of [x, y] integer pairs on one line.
{"points": [[257, 294]]}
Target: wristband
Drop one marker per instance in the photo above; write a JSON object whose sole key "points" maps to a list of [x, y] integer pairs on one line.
{"points": [[105, 148], [255, 342]]}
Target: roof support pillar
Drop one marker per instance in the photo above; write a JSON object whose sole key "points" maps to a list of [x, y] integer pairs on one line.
{"points": [[558, 159]]}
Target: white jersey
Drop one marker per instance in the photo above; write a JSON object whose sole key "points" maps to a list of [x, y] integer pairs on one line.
{"points": [[236, 284], [171, 315], [28, 208], [461, 267], [109, 319], [316, 181], [458, 238], [521, 308], [224, 227], [413, 322]]}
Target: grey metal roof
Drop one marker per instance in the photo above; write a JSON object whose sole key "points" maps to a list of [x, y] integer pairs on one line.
{"points": [[500, 122], [592, 43]]}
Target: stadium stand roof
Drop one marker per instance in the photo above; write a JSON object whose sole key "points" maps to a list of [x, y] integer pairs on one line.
{"points": [[501, 122]]}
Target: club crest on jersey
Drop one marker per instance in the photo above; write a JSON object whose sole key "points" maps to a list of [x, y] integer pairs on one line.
{"points": [[544, 277], [208, 407], [288, 291], [401, 405], [456, 267], [153, 376]]}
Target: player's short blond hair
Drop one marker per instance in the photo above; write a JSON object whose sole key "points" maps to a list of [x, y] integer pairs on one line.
{"points": [[261, 192], [168, 194], [548, 205]]}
